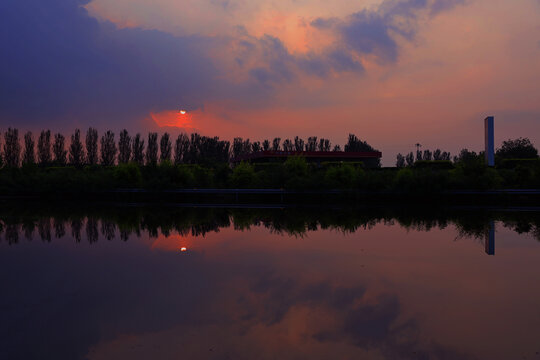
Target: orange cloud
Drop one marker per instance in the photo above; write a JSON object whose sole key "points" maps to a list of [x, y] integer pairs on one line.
{"points": [[173, 118]]}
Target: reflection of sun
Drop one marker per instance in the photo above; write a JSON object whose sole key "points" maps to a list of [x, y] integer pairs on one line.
{"points": [[183, 112], [174, 242]]}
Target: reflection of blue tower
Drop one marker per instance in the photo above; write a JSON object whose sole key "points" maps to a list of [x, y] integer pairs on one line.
{"points": [[490, 141], [490, 239]]}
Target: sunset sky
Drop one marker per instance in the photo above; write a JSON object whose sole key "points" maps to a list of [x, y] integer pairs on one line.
{"points": [[394, 72]]}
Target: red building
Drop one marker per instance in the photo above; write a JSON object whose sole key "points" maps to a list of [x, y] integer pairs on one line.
{"points": [[369, 158]]}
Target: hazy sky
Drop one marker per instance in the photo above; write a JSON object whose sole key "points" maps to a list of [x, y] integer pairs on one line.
{"points": [[394, 72]]}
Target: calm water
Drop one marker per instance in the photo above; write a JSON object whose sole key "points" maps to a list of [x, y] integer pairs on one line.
{"points": [[177, 283]]}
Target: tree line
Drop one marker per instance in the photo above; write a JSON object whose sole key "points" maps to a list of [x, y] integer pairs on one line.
{"points": [[90, 149], [521, 148]]}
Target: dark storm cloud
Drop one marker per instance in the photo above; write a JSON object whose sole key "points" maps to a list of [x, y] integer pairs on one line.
{"points": [[373, 32], [60, 67], [57, 62]]}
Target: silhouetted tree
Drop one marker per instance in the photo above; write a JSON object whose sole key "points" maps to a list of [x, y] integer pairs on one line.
{"points": [[356, 145], [256, 146], [29, 156], [76, 149], [266, 145], [466, 156], [324, 145], [298, 144], [108, 149], [409, 158], [59, 149], [213, 150], [12, 147], [427, 155], [92, 146], [165, 147], [238, 147], [194, 153], [246, 147], [445, 156], [311, 144], [138, 150], [44, 147], [276, 144], [181, 149], [521, 148], [152, 149], [437, 155], [288, 145], [336, 148], [124, 147], [418, 155], [400, 160]]}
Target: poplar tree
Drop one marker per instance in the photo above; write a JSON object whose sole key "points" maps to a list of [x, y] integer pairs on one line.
{"points": [[108, 149], [138, 150], [311, 144], [92, 146], [275, 144], [400, 160], [124, 147], [165, 148], [12, 147], [59, 150], [76, 150], [44, 147], [152, 149], [288, 145], [256, 146], [29, 156], [298, 144], [181, 149], [266, 145]]}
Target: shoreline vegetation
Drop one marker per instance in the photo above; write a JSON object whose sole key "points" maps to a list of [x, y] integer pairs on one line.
{"points": [[156, 164]]}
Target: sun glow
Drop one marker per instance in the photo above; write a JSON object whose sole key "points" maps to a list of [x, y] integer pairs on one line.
{"points": [[180, 119]]}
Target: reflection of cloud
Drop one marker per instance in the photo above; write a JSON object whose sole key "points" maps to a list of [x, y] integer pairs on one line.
{"points": [[172, 243], [366, 322]]}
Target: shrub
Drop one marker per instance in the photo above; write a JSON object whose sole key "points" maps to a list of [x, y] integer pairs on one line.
{"points": [[243, 175], [128, 174], [343, 177]]}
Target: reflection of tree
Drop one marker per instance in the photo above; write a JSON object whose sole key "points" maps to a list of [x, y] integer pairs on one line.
{"points": [[12, 233], [44, 229], [76, 227], [92, 229], [59, 229], [163, 221], [108, 229]]}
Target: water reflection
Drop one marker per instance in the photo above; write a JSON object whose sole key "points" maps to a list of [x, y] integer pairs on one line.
{"points": [[378, 283], [124, 222]]}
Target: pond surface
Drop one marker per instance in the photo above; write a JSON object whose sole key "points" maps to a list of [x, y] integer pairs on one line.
{"points": [[180, 283]]}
